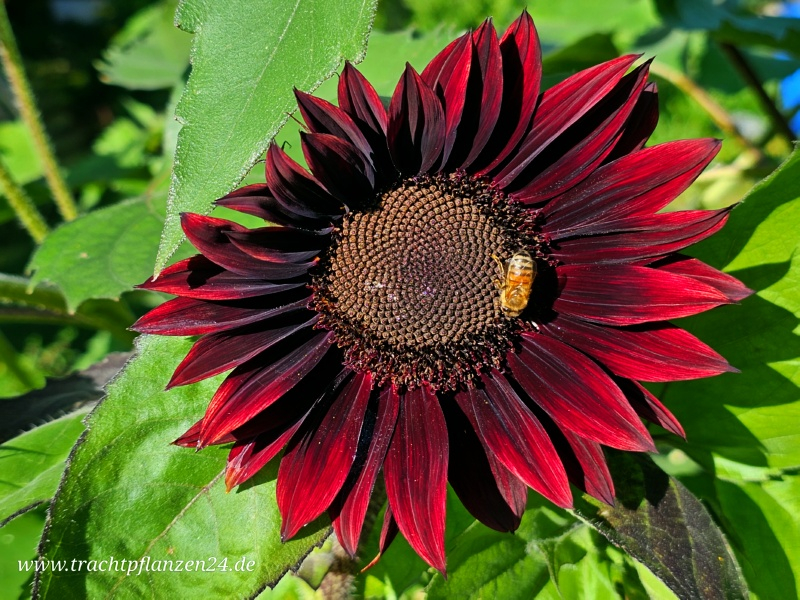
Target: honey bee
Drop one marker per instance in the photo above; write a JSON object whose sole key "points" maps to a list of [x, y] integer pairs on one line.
{"points": [[515, 287]]}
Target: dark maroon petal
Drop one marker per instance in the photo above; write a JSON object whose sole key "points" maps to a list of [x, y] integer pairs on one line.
{"points": [[192, 435], [640, 125], [661, 352], [649, 407], [186, 316], [638, 184], [350, 507], [296, 190], [217, 352], [208, 235], [447, 75], [268, 208], [389, 531], [484, 94], [415, 472], [317, 461], [280, 244], [628, 294], [733, 289], [521, 56], [577, 394], [416, 131], [249, 199], [512, 433], [338, 165], [252, 387], [586, 144], [247, 458], [323, 117], [197, 277], [359, 99], [636, 238], [595, 478], [472, 476], [561, 106]]}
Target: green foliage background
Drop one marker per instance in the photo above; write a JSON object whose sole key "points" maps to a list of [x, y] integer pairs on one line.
{"points": [[228, 73]]}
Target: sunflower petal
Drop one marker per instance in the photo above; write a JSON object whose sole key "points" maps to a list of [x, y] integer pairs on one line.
{"points": [[733, 289], [415, 472], [640, 124], [649, 407], [659, 352], [577, 394], [318, 459]]}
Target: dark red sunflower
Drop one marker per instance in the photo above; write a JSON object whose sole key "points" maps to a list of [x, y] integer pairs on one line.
{"points": [[370, 328]]}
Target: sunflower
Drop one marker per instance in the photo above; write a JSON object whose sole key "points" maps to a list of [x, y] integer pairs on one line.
{"points": [[467, 287]]}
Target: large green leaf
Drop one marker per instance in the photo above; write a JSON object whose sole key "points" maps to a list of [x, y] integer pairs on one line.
{"points": [[661, 524], [104, 253], [32, 464], [246, 57], [749, 422], [129, 494]]}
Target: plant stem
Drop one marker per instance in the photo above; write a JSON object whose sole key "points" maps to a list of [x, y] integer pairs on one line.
{"points": [[739, 62], [717, 112], [15, 72], [23, 206]]}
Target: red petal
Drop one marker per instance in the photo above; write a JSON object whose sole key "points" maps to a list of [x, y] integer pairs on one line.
{"points": [[415, 472], [557, 170], [521, 76], [649, 407], [267, 207], [359, 99], [247, 458], [316, 464], [389, 531], [207, 234], [295, 189], [497, 502], [636, 238], [350, 507], [447, 75], [733, 289], [577, 394], [280, 244], [338, 165], [660, 352], [561, 106], [484, 94], [248, 391], [627, 294], [323, 117], [186, 316], [199, 278], [217, 352], [512, 433], [638, 184], [416, 125], [595, 478], [640, 125]]}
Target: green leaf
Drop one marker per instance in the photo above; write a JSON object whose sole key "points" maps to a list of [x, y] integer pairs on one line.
{"points": [[763, 524], [32, 464], [18, 541], [104, 253], [660, 523], [245, 60], [150, 53], [755, 413], [130, 494], [58, 396]]}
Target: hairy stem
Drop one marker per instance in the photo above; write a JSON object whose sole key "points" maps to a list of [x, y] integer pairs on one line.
{"points": [[15, 72], [717, 112], [739, 62], [23, 206]]}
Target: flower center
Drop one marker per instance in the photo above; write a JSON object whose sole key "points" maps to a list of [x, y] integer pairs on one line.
{"points": [[411, 287]]}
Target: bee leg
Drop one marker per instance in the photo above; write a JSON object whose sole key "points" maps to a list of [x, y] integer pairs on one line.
{"points": [[500, 283]]}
